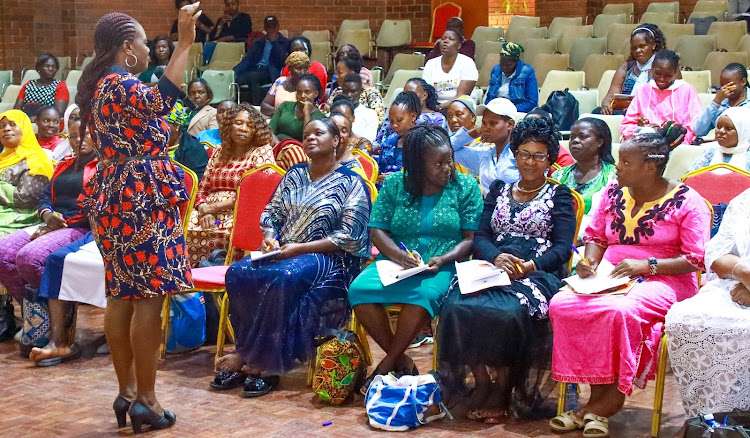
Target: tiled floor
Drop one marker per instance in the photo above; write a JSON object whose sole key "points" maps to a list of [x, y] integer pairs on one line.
{"points": [[75, 399]]}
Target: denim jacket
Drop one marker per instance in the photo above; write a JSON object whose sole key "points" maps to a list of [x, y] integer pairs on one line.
{"points": [[523, 91]]}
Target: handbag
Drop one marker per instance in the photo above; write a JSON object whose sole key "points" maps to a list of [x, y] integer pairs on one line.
{"points": [[187, 322], [7, 319], [564, 109], [340, 366], [735, 424], [36, 324], [403, 403]]}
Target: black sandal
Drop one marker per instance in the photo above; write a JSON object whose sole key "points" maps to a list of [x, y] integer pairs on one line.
{"points": [[226, 380], [259, 386]]}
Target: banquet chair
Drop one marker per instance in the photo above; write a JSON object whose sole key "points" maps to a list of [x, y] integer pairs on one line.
{"points": [[368, 164], [718, 183], [259, 186]]}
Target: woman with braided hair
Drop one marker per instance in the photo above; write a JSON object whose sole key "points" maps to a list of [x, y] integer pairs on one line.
{"points": [[133, 201]]}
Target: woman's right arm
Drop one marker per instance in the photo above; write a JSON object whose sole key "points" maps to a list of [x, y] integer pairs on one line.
{"points": [[614, 88], [381, 215], [385, 244]]}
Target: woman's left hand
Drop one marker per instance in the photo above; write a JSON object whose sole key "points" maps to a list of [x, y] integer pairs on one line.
{"points": [[630, 268], [290, 250], [434, 264], [740, 294]]}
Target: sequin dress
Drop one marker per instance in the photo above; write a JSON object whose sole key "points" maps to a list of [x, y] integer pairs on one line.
{"points": [[133, 200]]}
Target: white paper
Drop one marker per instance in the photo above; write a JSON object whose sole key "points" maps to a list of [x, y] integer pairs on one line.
{"points": [[391, 272], [260, 255], [476, 275], [597, 283]]}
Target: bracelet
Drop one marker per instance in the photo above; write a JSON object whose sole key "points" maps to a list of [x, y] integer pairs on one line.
{"points": [[734, 277], [653, 266]]}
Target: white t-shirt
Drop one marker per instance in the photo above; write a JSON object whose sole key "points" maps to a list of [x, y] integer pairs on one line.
{"points": [[446, 84], [365, 122]]}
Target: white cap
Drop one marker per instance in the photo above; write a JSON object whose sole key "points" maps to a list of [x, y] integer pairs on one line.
{"points": [[500, 106]]}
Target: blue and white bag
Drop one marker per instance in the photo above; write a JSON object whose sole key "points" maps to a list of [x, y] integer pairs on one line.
{"points": [[187, 322], [399, 404]]}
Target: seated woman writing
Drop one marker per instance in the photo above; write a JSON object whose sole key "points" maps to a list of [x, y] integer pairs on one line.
{"points": [[714, 326], [732, 141], [431, 210], [501, 333], [25, 170], [246, 144], [646, 226], [317, 218], [284, 89]]}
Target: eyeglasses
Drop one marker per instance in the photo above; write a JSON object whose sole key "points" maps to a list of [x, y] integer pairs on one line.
{"points": [[539, 156]]}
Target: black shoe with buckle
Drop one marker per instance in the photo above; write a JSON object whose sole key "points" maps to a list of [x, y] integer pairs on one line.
{"points": [[225, 380], [260, 386]]}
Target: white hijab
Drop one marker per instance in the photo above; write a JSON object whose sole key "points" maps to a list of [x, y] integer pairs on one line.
{"points": [[740, 117], [68, 111]]}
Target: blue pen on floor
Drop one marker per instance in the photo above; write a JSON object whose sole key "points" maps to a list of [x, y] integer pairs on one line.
{"points": [[327, 423]]}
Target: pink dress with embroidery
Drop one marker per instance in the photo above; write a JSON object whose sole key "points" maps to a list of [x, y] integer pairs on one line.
{"points": [[614, 339]]}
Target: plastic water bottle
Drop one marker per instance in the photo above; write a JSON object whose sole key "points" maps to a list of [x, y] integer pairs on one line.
{"points": [[571, 397]]}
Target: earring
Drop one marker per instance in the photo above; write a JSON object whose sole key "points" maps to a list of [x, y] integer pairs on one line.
{"points": [[134, 63]]}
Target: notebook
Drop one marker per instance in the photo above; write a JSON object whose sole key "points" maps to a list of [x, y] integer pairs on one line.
{"points": [[599, 283], [391, 272], [476, 275]]}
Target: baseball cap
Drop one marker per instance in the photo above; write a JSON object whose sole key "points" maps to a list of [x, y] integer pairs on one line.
{"points": [[500, 106], [271, 20], [468, 102]]}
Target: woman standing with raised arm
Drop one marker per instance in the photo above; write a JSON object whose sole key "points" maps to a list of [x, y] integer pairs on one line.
{"points": [[133, 202]]}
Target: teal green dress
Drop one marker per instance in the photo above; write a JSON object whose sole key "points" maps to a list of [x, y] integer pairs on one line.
{"points": [[286, 125], [432, 226], [588, 189]]}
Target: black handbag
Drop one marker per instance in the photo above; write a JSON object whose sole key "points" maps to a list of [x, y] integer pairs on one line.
{"points": [[564, 109], [8, 327], [735, 424]]}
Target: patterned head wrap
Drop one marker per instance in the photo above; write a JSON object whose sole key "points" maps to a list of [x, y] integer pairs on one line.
{"points": [[178, 115], [511, 49], [297, 58]]}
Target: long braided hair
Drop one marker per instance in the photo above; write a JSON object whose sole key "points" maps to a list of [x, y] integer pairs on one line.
{"points": [[111, 31]]}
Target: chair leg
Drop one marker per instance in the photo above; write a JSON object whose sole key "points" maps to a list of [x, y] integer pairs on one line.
{"points": [[661, 372], [164, 327], [435, 344], [223, 323], [357, 328], [563, 389]]}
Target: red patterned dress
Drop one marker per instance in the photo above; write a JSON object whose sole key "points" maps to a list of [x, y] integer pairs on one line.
{"points": [[133, 200], [219, 183]]}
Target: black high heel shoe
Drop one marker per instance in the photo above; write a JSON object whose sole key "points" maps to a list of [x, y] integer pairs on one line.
{"points": [[140, 414], [121, 406]]}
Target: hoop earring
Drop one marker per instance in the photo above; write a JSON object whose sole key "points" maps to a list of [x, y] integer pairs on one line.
{"points": [[134, 63]]}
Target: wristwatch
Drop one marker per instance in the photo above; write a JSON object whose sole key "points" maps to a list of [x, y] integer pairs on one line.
{"points": [[653, 266]]}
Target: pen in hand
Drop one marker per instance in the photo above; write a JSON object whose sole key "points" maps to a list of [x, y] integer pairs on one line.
{"points": [[584, 259]]}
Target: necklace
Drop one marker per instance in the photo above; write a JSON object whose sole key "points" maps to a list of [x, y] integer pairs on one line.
{"points": [[518, 187]]}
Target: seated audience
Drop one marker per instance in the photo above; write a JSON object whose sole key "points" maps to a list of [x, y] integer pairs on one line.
{"points": [[403, 116], [48, 133], [246, 144], [202, 27], [732, 141], [646, 226], [343, 154], [432, 211], [233, 25], [594, 167], [452, 74], [317, 218], [502, 335], [183, 147], [262, 64], [284, 89], [161, 52], [563, 157], [468, 46], [645, 41], [430, 109], [733, 92], [72, 114], [462, 113], [302, 44], [492, 159], [211, 137], [45, 91], [513, 79], [709, 333], [367, 119], [204, 116], [349, 51], [368, 97], [25, 170], [663, 99], [291, 117], [343, 105]]}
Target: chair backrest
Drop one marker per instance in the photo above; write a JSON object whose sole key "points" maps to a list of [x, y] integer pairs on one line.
{"points": [[743, 46], [485, 33], [72, 79], [560, 80], [520, 21], [595, 67], [6, 77], [29, 75], [256, 188], [394, 33], [403, 61], [559, 25], [372, 189], [612, 121], [582, 48], [544, 63], [536, 46], [658, 18], [673, 7], [716, 61], [359, 38], [72, 93], [190, 180], [226, 56], [728, 33], [10, 95], [605, 82], [222, 84], [485, 48], [317, 35], [523, 34], [587, 100], [619, 8], [64, 67], [618, 38], [706, 99], [398, 81], [321, 51], [578, 208], [718, 183], [602, 23], [693, 50], [673, 32], [715, 8], [440, 16], [351, 25], [490, 61], [368, 164], [700, 80], [86, 62], [565, 40], [680, 160]]}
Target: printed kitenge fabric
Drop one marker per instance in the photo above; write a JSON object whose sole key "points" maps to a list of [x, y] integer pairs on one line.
{"points": [[133, 200]]}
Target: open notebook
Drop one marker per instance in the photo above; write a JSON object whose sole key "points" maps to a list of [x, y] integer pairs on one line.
{"points": [[391, 272], [599, 283], [476, 275]]}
